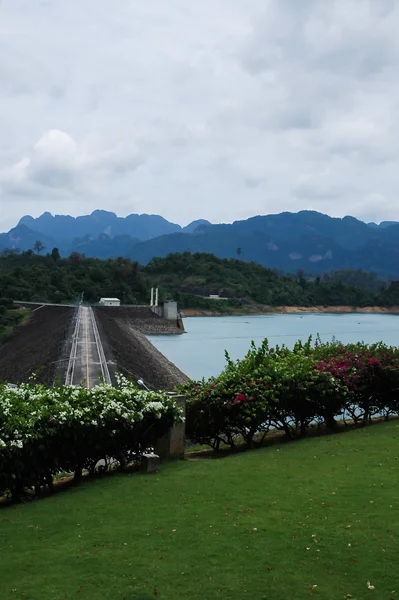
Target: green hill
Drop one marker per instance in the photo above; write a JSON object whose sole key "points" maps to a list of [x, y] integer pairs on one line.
{"points": [[188, 278], [189, 275]]}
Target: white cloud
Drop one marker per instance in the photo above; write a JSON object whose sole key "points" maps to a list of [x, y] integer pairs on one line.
{"points": [[218, 109]]}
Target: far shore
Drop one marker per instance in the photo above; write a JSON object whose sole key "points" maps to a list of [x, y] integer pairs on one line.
{"points": [[282, 310]]}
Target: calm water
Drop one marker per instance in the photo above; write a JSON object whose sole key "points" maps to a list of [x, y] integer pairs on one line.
{"points": [[200, 352]]}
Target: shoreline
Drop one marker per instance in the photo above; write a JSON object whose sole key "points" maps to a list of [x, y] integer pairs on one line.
{"points": [[283, 310]]}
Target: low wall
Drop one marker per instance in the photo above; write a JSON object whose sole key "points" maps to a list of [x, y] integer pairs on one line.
{"points": [[172, 445], [169, 312], [142, 318]]}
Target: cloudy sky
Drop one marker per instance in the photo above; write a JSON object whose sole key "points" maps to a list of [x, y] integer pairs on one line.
{"points": [[219, 109]]}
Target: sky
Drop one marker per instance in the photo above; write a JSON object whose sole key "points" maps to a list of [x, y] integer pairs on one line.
{"points": [[216, 109]]}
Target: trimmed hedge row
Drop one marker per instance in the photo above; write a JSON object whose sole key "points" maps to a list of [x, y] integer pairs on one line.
{"points": [[283, 389], [45, 431]]}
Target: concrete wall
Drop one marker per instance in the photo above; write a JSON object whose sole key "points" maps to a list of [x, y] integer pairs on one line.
{"points": [[172, 445], [166, 310], [170, 311], [158, 310]]}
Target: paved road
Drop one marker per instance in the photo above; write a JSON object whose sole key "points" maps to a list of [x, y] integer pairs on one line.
{"points": [[87, 363]]}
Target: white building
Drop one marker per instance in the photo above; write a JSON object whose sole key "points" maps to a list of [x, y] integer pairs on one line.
{"points": [[110, 302]]}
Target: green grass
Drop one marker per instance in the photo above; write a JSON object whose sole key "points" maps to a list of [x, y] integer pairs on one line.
{"points": [[267, 524]]}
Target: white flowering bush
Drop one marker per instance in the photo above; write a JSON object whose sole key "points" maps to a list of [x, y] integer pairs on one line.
{"points": [[44, 431]]}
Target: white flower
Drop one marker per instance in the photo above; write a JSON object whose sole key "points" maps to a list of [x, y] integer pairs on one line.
{"points": [[16, 444]]}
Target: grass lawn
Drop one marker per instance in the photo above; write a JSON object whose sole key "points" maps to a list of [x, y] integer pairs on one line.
{"points": [[267, 524]]}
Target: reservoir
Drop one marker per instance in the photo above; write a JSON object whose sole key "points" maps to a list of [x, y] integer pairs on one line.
{"points": [[200, 352]]}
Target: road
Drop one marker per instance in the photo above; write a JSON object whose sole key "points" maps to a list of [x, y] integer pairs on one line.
{"points": [[87, 363]]}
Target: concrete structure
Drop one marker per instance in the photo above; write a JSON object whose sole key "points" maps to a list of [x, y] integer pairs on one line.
{"points": [[87, 363], [154, 302], [150, 463], [110, 302], [172, 445], [170, 311], [166, 310]]}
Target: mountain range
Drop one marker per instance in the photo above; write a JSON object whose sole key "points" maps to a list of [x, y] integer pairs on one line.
{"points": [[307, 240]]}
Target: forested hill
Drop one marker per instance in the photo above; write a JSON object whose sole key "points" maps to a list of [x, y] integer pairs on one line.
{"points": [[187, 277], [205, 274], [49, 278]]}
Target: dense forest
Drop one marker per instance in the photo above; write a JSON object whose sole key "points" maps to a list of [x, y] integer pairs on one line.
{"points": [[193, 276], [188, 278], [49, 278]]}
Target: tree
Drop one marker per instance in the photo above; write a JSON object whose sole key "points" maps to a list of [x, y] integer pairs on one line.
{"points": [[38, 247], [239, 251], [301, 278], [55, 255], [76, 257], [10, 251]]}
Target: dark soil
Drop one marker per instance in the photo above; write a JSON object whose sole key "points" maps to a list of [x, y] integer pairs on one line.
{"points": [[133, 354], [35, 348]]}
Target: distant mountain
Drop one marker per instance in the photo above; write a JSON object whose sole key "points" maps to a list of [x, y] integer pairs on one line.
{"points": [[142, 227], [383, 224], [348, 232], [24, 238], [306, 240], [101, 246], [289, 241], [195, 225]]}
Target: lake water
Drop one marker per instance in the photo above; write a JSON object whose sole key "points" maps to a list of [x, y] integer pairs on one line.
{"points": [[200, 352]]}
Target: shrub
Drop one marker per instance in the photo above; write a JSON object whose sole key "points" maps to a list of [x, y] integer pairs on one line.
{"points": [[371, 374], [7, 302], [44, 431], [279, 388]]}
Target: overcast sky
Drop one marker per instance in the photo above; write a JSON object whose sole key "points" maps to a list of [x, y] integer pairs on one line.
{"points": [[217, 109]]}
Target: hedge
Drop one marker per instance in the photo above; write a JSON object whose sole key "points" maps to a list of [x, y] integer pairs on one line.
{"points": [[45, 431], [288, 390]]}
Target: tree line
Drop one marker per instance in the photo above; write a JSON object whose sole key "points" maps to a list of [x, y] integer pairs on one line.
{"points": [[188, 278]]}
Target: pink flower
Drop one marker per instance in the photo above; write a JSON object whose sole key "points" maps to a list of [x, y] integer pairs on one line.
{"points": [[239, 398]]}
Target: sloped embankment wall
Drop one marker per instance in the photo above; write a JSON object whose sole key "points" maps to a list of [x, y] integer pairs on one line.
{"points": [[141, 318], [37, 346], [133, 353]]}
